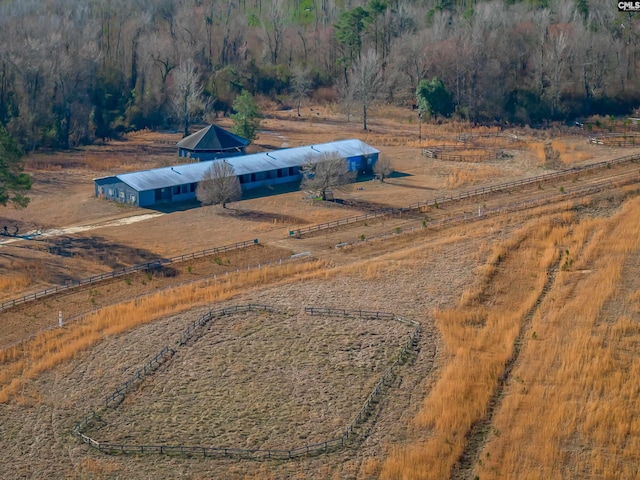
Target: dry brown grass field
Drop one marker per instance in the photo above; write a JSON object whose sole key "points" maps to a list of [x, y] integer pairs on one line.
{"points": [[236, 386], [524, 368]]}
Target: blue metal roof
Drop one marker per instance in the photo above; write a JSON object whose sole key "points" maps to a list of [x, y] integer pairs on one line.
{"points": [[246, 164]]}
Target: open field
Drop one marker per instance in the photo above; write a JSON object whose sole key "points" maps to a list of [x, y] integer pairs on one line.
{"points": [[577, 371], [524, 368], [54, 260], [30, 318], [236, 386]]}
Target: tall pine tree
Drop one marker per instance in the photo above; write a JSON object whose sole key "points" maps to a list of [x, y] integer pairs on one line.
{"points": [[247, 118]]}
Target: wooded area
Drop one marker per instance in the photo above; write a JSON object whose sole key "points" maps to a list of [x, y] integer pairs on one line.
{"points": [[75, 72]]}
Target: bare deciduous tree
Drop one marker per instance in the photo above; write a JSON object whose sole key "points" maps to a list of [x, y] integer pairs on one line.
{"points": [[187, 100], [274, 24], [300, 85], [367, 81], [87, 70], [232, 35], [163, 52], [383, 167], [591, 56], [345, 92], [324, 173], [220, 185], [556, 64]]}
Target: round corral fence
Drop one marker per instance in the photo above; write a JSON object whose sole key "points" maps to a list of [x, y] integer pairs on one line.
{"points": [[403, 333], [464, 153], [616, 139]]}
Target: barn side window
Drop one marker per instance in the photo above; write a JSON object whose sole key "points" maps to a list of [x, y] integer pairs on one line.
{"points": [[176, 190], [192, 187]]}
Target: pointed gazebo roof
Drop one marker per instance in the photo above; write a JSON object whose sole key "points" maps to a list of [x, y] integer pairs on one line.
{"points": [[212, 138]]}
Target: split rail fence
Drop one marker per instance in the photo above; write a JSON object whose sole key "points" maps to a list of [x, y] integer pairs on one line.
{"points": [[156, 264], [463, 153], [217, 276], [115, 398], [477, 192], [473, 137], [512, 207], [616, 139]]}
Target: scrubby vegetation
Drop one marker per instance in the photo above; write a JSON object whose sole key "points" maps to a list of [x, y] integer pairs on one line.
{"points": [[79, 72]]}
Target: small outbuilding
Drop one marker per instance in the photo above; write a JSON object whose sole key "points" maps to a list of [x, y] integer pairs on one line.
{"points": [[210, 143], [179, 183]]}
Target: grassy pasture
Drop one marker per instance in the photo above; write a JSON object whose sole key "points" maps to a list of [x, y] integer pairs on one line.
{"points": [[259, 381], [561, 353]]}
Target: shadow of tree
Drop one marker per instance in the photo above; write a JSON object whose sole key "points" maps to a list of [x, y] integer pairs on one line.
{"points": [[267, 217]]}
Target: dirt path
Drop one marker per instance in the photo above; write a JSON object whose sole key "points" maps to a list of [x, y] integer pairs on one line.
{"points": [[479, 433], [57, 232]]}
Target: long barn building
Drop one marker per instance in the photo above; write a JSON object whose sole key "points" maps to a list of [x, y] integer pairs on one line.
{"points": [[179, 183]]}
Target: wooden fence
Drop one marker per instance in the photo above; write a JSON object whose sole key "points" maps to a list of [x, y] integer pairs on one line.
{"points": [[114, 399], [123, 271], [512, 207], [457, 153], [201, 322], [292, 258], [616, 139], [473, 137], [476, 192], [151, 366]]}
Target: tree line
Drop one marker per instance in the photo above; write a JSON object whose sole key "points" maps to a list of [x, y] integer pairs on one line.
{"points": [[81, 71]]}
